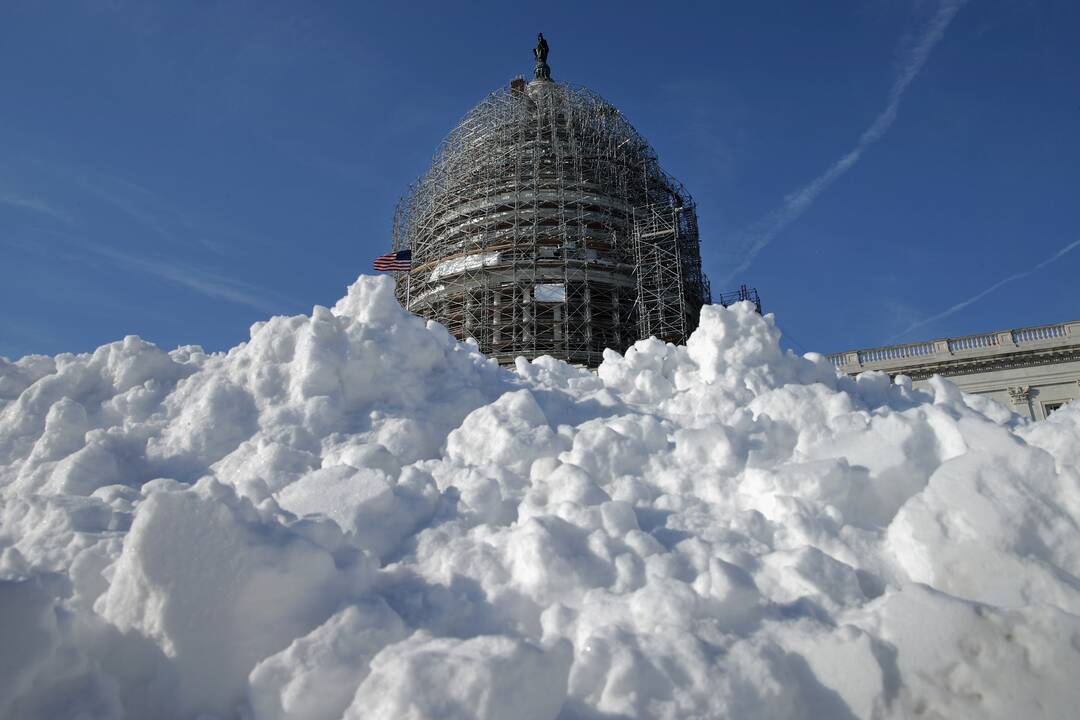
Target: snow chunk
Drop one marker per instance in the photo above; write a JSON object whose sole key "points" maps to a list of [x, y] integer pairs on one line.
{"points": [[238, 590], [486, 678], [316, 677], [512, 431], [377, 510]]}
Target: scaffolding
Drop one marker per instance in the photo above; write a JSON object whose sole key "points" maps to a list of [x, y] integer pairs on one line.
{"points": [[546, 226]]}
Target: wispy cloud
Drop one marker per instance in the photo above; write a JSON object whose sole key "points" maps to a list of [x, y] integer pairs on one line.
{"points": [[980, 295], [755, 238], [201, 280], [168, 228], [33, 204], [143, 207], [131, 199]]}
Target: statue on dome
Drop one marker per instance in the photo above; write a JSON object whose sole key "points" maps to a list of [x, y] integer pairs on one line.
{"points": [[540, 52]]}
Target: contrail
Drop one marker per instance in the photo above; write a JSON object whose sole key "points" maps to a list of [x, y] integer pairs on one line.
{"points": [[759, 235], [1055, 256], [979, 296]]}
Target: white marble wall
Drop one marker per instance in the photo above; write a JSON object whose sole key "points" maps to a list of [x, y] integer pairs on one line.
{"points": [[1050, 355], [1029, 391]]}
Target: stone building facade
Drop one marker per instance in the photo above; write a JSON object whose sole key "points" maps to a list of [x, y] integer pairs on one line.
{"points": [[1033, 370]]}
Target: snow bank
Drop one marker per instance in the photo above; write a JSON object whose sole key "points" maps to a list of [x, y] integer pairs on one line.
{"points": [[352, 515]]}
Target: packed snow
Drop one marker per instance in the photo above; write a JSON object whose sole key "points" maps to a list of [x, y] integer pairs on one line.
{"points": [[353, 515]]}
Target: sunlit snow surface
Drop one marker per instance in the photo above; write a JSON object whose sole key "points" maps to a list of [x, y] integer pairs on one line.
{"points": [[353, 515]]}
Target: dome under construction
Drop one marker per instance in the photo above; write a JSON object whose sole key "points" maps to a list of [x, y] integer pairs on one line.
{"points": [[546, 226]]}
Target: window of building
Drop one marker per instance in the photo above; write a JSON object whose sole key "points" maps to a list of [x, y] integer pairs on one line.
{"points": [[1051, 407]]}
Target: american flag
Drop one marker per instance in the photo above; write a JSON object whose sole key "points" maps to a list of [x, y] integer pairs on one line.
{"points": [[393, 261]]}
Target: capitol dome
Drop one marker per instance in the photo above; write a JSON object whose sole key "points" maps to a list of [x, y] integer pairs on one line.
{"points": [[545, 226]]}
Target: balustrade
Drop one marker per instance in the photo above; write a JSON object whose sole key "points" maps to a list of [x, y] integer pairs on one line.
{"points": [[945, 348]]}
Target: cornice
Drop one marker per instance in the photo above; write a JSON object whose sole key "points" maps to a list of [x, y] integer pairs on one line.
{"points": [[985, 364]]}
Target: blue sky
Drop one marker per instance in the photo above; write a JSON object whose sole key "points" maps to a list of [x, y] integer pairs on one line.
{"points": [[881, 170]]}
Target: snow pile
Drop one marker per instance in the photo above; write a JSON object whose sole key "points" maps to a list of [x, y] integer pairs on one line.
{"points": [[352, 515]]}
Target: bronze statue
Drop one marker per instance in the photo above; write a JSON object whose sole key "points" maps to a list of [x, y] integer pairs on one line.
{"points": [[541, 49], [540, 52]]}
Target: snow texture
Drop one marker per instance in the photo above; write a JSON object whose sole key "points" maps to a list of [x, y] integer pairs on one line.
{"points": [[353, 515]]}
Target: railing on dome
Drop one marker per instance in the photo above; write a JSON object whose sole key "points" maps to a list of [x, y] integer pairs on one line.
{"points": [[744, 293]]}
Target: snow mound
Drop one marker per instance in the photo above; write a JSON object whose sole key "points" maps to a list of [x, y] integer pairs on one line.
{"points": [[353, 515]]}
